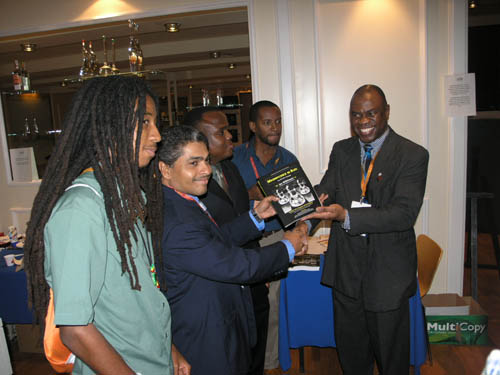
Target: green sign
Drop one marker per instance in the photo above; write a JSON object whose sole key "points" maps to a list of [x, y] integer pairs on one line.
{"points": [[458, 330]]}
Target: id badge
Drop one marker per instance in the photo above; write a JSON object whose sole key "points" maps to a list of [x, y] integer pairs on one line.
{"points": [[357, 204]]}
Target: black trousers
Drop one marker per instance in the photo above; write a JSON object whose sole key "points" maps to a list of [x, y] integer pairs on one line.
{"points": [[364, 337], [261, 311]]}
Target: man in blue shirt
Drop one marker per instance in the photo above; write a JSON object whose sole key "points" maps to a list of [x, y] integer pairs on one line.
{"points": [[259, 156]]}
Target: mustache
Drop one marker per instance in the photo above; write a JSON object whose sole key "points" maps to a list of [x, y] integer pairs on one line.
{"points": [[203, 177]]}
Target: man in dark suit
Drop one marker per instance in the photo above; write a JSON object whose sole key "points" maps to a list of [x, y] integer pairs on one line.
{"points": [[206, 272], [227, 198], [375, 184]]}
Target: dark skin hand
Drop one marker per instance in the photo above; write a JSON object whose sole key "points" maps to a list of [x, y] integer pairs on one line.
{"points": [[332, 212], [298, 239], [181, 366], [264, 208]]}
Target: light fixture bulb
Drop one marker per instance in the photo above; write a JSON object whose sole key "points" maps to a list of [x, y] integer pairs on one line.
{"points": [[172, 27], [472, 4], [28, 47]]}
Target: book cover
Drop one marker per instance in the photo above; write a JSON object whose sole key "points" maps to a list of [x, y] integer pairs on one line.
{"points": [[297, 197]]}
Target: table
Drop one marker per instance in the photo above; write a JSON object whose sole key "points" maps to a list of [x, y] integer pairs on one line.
{"points": [[306, 318], [13, 293]]}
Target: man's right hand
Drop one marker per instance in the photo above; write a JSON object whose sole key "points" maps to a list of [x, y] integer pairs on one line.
{"points": [[298, 239]]}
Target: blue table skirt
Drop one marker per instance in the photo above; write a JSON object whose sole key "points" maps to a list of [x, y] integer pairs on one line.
{"points": [[13, 293], [306, 318]]}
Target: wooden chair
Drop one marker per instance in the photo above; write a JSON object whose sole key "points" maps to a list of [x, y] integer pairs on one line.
{"points": [[429, 255]]}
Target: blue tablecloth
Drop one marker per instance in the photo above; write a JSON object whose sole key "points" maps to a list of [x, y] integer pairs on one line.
{"points": [[13, 293], [306, 318]]}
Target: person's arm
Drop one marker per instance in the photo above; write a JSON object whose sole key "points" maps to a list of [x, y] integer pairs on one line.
{"points": [[195, 247], [181, 366], [254, 193], [88, 344]]}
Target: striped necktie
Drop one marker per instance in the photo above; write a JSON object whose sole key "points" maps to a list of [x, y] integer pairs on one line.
{"points": [[368, 157]]}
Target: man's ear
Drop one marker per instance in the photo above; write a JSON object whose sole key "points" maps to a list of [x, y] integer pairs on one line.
{"points": [[387, 112], [252, 126], [164, 170]]}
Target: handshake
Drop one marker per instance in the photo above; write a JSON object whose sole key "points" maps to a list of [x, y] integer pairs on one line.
{"points": [[297, 236]]}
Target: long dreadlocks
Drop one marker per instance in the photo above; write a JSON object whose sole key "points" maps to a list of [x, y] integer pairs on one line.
{"points": [[98, 132]]}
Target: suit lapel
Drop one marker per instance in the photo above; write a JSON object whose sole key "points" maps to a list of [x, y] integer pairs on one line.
{"points": [[352, 171], [214, 188], [383, 166]]}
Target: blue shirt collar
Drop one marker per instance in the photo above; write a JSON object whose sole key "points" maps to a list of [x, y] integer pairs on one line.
{"points": [[377, 143]]}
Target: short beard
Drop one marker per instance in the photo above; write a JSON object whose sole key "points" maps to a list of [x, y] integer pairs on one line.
{"points": [[265, 141]]}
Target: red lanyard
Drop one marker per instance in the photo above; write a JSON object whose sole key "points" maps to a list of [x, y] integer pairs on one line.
{"points": [[201, 205], [366, 178], [254, 167], [255, 171]]}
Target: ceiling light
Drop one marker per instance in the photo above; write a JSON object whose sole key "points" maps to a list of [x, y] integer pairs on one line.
{"points": [[28, 47], [172, 27], [214, 54], [472, 4], [190, 86], [247, 76], [231, 66]]}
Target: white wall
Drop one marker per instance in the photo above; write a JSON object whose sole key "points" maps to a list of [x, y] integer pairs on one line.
{"points": [[309, 56], [406, 47]]}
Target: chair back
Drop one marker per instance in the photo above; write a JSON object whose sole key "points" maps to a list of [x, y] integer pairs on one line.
{"points": [[429, 255]]}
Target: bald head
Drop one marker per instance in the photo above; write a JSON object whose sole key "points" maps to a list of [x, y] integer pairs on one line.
{"points": [[368, 88]]}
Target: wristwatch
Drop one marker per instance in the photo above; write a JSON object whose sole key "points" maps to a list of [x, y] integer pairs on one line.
{"points": [[256, 216]]}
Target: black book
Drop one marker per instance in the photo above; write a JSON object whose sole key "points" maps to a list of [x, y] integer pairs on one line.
{"points": [[291, 185]]}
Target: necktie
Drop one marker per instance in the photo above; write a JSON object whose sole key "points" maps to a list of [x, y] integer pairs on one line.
{"points": [[368, 156], [219, 177]]}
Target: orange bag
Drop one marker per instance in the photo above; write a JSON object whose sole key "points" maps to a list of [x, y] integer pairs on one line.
{"points": [[59, 356]]}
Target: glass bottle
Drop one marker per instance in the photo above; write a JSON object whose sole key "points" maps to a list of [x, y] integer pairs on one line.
{"points": [[138, 48], [132, 55], [105, 69], [35, 125], [25, 76], [17, 80], [27, 131], [85, 68], [113, 65], [94, 69]]}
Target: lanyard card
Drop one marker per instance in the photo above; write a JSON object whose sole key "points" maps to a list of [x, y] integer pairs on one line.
{"points": [[357, 204]]}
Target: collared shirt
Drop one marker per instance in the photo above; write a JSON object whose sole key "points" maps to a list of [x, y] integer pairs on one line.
{"points": [[84, 269], [376, 146], [258, 224], [242, 158]]}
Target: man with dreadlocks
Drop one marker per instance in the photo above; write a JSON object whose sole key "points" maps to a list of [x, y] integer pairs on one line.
{"points": [[95, 233]]}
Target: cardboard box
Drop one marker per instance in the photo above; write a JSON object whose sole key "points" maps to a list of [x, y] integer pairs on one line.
{"points": [[446, 304], [28, 338], [456, 329]]}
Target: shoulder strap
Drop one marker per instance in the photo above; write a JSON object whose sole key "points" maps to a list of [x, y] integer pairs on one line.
{"points": [[84, 185]]}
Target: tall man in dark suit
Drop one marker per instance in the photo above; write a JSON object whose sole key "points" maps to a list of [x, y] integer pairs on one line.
{"points": [[206, 272], [375, 184]]}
